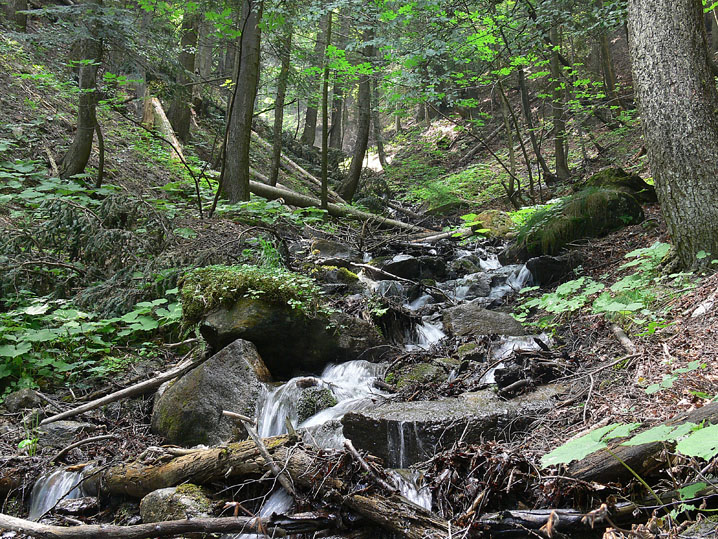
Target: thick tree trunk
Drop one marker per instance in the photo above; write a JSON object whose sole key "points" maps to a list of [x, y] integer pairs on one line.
{"points": [[559, 123], [179, 112], [677, 101], [351, 183], [77, 156], [285, 48], [310, 119], [335, 135], [203, 62], [236, 172]]}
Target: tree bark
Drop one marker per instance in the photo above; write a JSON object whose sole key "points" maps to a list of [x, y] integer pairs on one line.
{"points": [[376, 123], [559, 123], [528, 115], [325, 119], [335, 135], [203, 62], [77, 156], [236, 172], [310, 118], [677, 101], [348, 188], [285, 49], [179, 112]]}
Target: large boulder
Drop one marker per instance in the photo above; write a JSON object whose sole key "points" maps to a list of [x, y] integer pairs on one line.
{"points": [[617, 178], [289, 341], [404, 433], [175, 503], [547, 270], [497, 223], [189, 412], [471, 319], [591, 213]]}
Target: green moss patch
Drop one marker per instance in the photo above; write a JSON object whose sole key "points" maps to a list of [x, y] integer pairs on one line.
{"points": [[205, 289]]}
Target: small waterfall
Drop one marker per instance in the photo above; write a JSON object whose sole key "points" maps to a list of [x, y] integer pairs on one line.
{"points": [[51, 488], [350, 382], [279, 502], [409, 483], [426, 335], [520, 280]]}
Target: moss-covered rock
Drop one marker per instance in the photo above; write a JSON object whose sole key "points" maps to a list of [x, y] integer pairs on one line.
{"points": [[205, 289], [418, 373], [189, 412], [313, 400], [175, 503], [591, 213], [619, 179], [497, 222]]}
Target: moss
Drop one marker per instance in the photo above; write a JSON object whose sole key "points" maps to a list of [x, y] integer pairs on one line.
{"points": [[420, 373], [590, 213], [313, 400], [498, 223], [205, 289], [347, 276], [617, 178], [196, 494]]}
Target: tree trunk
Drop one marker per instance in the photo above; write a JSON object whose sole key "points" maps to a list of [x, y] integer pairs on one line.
{"points": [[203, 62], [376, 123], [236, 173], [506, 114], [179, 112], [310, 118], [348, 188], [528, 116], [325, 122], [20, 19], [335, 135], [559, 123], [677, 101], [77, 156], [285, 48]]}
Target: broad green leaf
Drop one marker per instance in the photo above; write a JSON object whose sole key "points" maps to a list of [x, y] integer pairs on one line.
{"points": [[661, 433], [621, 431], [37, 309], [578, 448], [40, 335], [11, 350], [691, 491], [702, 443]]}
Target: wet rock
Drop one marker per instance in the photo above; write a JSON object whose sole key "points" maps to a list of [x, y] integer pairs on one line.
{"points": [[313, 400], [471, 351], [417, 374], [547, 270], [471, 319], [59, 434], [86, 505], [463, 266], [333, 249], [190, 411], [405, 266], [706, 528], [617, 178], [476, 285], [404, 433], [288, 341], [175, 503], [22, 399]]}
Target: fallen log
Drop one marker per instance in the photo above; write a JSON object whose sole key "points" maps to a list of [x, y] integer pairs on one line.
{"points": [[154, 116], [132, 391], [274, 526], [303, 201], [645, 460], [291, 166], [307, 469]]}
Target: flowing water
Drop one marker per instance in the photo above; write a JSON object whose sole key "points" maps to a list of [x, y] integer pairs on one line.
{"points": [[51, 488]]}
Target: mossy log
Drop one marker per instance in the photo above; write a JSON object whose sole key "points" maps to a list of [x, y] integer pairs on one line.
{"points": [[645, 459], [306, 469]]}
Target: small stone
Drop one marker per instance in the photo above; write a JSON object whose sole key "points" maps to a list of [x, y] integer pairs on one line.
{"points": [[175, 503], [22, 399]]}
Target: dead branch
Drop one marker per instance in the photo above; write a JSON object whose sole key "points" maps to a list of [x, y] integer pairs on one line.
{"points": [[276, 526], [132, 391]]}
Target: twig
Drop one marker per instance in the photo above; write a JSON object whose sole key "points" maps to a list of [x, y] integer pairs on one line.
{"points": [[280, 474], [70, 447], [137, 389], [365, 465], [627, 343], [53, 163]]}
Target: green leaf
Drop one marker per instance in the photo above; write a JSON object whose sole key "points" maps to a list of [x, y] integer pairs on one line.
{"points": [[578, 448], [702, 443], [40, 335], [691, 491], [12, 351], [621, 431], [661, 433]]}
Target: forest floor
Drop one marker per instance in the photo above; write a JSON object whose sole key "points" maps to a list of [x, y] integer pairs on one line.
{"points": [[36, 119]]}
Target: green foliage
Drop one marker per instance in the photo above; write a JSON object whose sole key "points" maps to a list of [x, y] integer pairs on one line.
{"points": [[634, 298], [205, 289], [693, 441], [669, 379], [44, 340]]}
